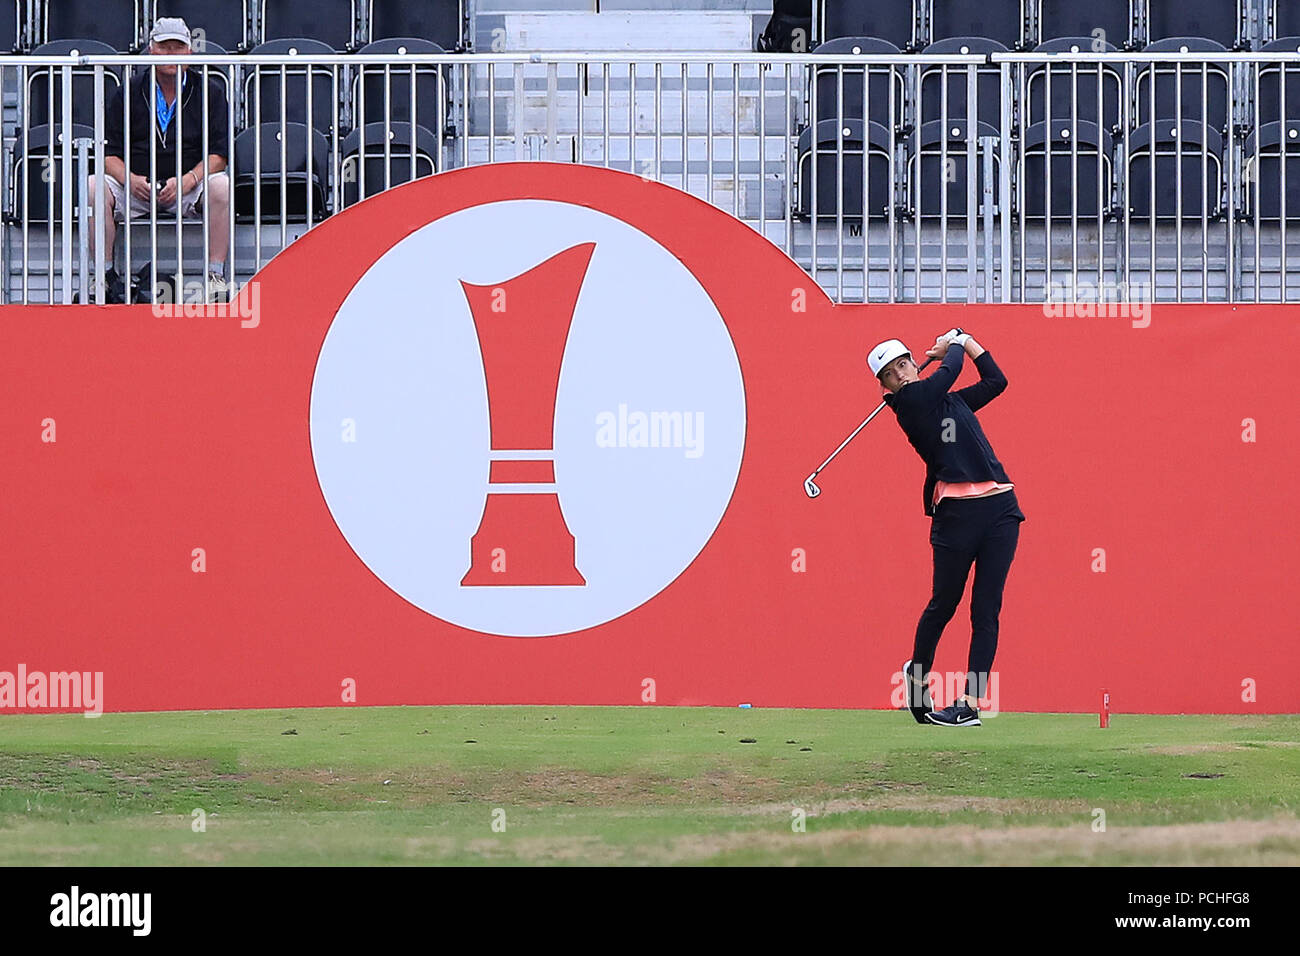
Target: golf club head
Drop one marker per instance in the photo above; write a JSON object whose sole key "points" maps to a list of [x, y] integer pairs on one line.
{"points": [[810, 487]]}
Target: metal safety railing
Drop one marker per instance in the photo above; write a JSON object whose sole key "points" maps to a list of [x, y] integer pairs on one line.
{"points": [[894, 178], [1196, 206]]}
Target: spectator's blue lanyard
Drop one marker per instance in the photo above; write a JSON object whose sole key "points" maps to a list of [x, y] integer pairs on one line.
{"points": [[167, 110]]}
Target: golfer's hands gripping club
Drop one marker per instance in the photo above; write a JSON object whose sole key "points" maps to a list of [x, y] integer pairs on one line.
{"points": [[951, 337]]}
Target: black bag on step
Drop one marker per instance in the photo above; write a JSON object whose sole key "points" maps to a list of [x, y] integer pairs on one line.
{"points": [[789, 30]]}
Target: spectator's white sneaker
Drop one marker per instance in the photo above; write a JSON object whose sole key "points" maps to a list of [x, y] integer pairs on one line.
{"points": [[217, 289]]}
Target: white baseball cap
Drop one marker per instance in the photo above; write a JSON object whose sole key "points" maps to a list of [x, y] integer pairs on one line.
{"points": [[169, 28], [884, 353]]}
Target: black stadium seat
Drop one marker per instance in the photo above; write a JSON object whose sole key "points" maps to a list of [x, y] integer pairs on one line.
{"points": [[1074, 86], [1213, 105], [1075, 186], [988, 82], [41, 80], [115, 22], [1175, 146], [329, 21], [1204, 123], [436, 20], [1212, 19], [839, 183], [37, 170], [323, 92], [892, 20], [212, 48], [1264, 152], [429, 84], [9, 27], [222, 76], [403, 144], [992, 19], [1070, 18], [1270, 83], [934, 178], [1079, 137], [221, 21], [300, 177], [1286, 18], [879, 82]]}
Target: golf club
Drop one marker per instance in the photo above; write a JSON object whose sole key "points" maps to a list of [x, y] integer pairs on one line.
{"points": [[810, 485]]}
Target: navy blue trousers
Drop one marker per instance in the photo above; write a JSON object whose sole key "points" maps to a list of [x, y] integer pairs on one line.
{"points": [[966, 531]]}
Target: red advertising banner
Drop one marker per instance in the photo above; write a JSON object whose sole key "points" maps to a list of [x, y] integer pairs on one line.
{"points": [[532, 433]]}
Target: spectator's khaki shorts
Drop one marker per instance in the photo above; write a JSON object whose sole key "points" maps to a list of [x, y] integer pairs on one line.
{"points": [[191, 202]]}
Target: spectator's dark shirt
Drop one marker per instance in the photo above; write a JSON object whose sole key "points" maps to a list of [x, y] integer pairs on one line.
{"points": [[188, 119]]}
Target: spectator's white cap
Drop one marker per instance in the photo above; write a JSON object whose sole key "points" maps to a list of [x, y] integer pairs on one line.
{"points": [[169, 28], [884, 353]]}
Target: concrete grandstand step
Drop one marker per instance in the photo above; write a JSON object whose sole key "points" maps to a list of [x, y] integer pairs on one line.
{"points": [[41, 281], [597, 149], [606, 6], [621, 31], [485, 7], [843, 280], [555, 100], [539, 117], [757, 7], [749, 6], [712, 182]]}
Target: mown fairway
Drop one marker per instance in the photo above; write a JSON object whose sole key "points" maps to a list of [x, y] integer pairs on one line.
{"points": [[575, 785]]}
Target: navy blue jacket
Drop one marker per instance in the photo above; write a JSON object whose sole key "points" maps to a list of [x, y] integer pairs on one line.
{"points": [[926, 409]]}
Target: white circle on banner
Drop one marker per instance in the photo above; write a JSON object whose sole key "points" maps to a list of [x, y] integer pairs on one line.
{"points": [[400, 423]]}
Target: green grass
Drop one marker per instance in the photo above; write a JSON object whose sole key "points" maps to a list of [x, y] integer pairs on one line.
{"points": [[644, 785]]}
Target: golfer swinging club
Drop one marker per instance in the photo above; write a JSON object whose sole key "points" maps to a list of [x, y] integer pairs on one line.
{"points": [[972, 504]]}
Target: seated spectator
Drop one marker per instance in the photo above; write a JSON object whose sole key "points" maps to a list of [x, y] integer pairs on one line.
{"points": [[170, 36]]}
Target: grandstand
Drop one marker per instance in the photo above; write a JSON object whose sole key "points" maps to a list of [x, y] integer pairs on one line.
{"points": [[912, 150]]}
